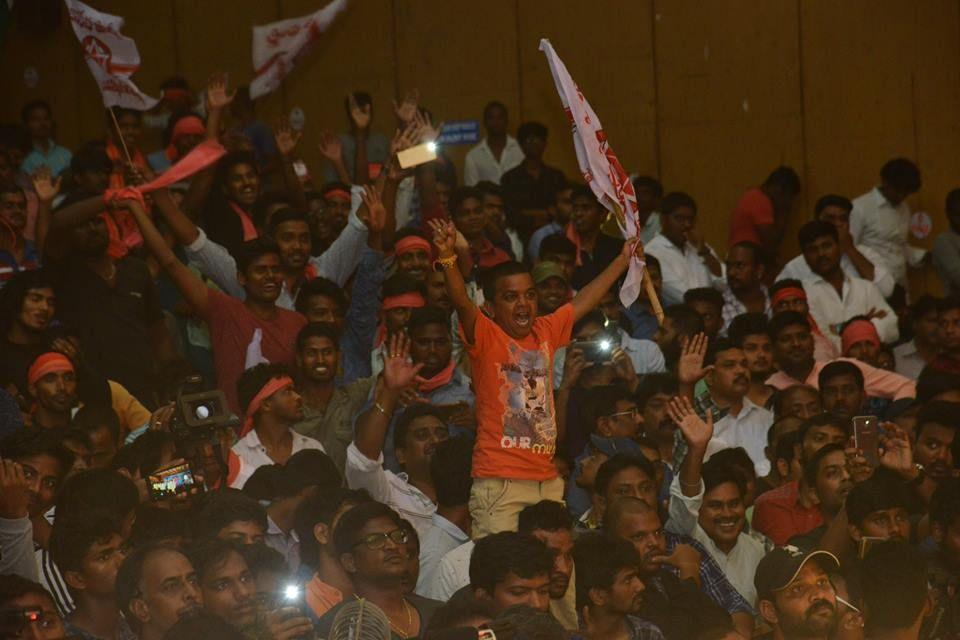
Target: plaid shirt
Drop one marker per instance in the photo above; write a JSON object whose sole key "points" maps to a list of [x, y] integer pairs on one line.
{"points": [[712, 580], [640, 629], [732, 307]]}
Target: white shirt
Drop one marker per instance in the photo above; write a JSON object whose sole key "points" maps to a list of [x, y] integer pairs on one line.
{"points": [[286, 544], [909, 361], [682, 270], [453, 573], [391, 489], [443, 537], [253, 455], [740, 565], [748, 429], [859, 296], [798, 269], [481, 164], [879, 225]]}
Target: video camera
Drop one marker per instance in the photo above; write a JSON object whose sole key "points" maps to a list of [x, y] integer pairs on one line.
{"points": [[198, 414]]}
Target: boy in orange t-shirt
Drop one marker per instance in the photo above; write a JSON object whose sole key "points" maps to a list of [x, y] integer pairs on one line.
{"points": [[511, 352]]}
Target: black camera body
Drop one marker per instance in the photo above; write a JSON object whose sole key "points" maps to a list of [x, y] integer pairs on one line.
{"points": [[198, 414]]}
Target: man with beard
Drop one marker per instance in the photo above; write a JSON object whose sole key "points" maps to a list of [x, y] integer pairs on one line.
{"points": [[653, 396], [834, 297], [948, 332], [680, 323], [17, 253], [157, 586], [271, 408], [795, 594], [744, 292], [610, 592], [933, 447], [550, 523], [28, 307], [841, 389], [673, 599], [788, 295], [749, 332]]}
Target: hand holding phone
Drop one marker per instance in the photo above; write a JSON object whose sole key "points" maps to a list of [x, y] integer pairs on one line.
{"points": [[172, 481], [866, 437]]}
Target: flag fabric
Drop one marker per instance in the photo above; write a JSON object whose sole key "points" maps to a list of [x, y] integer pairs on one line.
{"points": [[111, 56], [599, 165], [277, 46]]}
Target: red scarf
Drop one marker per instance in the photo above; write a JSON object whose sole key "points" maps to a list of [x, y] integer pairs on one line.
{"points": [[249, 230], [274, 385], [574, 237], [442, 378]]}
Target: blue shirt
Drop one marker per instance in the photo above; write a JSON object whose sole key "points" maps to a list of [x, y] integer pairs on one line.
{"points": [[533, 249], [57, 159], [361, 321]]}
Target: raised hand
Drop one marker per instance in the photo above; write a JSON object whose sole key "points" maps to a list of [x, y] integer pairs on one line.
{"points": [[14, 491], [573, 365], [217, 96], [428, 133], [690, 367], [408, 108], [444, 237], [408, 137], [623, 367], [398, 372], [44, 185], [360, 116], [633, 248], [286, 138], [683, 555], [372, 213], [330, 146], [896, 452], [696, 432]]}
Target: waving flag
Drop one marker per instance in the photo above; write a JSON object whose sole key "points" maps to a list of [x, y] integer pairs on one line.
{"points": [[277, 46], [599, 165], [111, 56]]}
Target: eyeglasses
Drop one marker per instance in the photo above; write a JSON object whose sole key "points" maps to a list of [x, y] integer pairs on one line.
{"points": [[629, 412], [378, 540]]}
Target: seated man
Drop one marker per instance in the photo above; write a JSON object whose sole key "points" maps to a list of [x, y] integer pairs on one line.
{"points": [[272, 408], [680, 323], [744, 291], [749, 332], [509, 569], [859, 340], [372, 545], [911, 357], [826, 483], [610, 592], [842, 393], [230, 516], [620, 476], [795, 594], [28, 610], [156, 587], [708, 302], [798, 401], [933, 447], [789, 295], [652, 396], [550, 523]]}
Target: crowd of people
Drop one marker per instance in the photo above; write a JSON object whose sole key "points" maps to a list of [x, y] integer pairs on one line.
{"points": [[237, 405]]}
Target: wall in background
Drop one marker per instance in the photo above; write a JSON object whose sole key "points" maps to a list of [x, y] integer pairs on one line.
{"points": [[709, 96]]}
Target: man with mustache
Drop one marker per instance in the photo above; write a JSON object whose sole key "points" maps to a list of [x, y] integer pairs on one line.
{"points": [[749, 332], [835, 297], [156, 587], [825, 485], [933, 446], [795, 594], [745, 292]]}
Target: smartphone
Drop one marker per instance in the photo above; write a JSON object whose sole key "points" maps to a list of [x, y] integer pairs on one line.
{"points": [[866, 437], [863, 547], [596, 351], [417, 155], [174, 480]]}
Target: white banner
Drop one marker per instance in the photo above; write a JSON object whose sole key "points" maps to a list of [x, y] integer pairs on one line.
{"points": [[277, 46], [111, 56], [599, 165]]}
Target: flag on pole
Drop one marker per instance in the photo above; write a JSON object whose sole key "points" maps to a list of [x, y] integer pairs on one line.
{"points": [[277, 46], [111, 56], [599, 165]]}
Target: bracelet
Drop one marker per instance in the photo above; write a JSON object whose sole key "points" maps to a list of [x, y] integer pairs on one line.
{"points": [[688, 485], [442, 264], [379, 407]]}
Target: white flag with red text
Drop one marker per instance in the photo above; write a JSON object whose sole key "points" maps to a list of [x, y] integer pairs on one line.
{"points": [[111, 56], [277, 46], [599, 165]]}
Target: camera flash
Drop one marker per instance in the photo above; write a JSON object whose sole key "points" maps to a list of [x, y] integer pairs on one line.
{"points": [[432, 146], [291, 592], [604, 345]]}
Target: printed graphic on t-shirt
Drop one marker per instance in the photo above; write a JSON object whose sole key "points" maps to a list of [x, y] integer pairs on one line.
{"points": [[528, 421]]}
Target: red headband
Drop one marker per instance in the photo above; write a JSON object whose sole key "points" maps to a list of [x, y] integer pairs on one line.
{"points": [[188, 125], [174, 94], [787, 292], [411, 243], [337, 193], [274, 385], [410, 300], [51, 362], [858, 331]]}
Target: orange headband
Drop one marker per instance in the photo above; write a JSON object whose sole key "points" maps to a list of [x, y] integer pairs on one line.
{"points": [[188, 125], [411, 243], [337, 193], [274, 385], [410, 300], [51, 362], [858, 331], [788, 292]]}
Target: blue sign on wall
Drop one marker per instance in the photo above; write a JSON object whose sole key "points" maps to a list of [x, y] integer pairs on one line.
{"points": [[460, 132]]}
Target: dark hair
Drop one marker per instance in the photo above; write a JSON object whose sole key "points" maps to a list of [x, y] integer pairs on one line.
{"points": [[718, 345], [737, 459], [832, 200], [203, 626], [546, 515], [686, 321], [408, 416], [599, 557], [901, 174], [345, 536], [255, 378], [91, 157], [676, 199], [558, 243], [493, 104], [487, 188], [99, 490], [527, 129], [262, 483], [837, 369], [232, 159], [945, 503], [747, 324], [252, 250], [619, 463], [362, 98], [922, 306], [321, 286], [426, 316], [652, 384], [13, 295], [584, 191], [879, 491], [287, 214], [153, 524], [27, 443], [30, 106], [647, 182], [948, 303], [210, 553], [91, 418], [73, 536], [400, 283], [601, 402], [939, 412], [143, 455], [823, 420], [785, 179], [932, 382], [259, 558], [305, 469], [787, 446], [223, 507], [756, 252], [496, 273], [321, 508], [703, 294], [450, 469], [781, 321], [953, 201], [614, 513], [893, 577], [811, 231], [13, 587], [460, 194], [811, 467], [784, 283], [499, 554], [131, 573], [317, 330], [716, 472], [596, 316], [118, 112], [458, 612]]}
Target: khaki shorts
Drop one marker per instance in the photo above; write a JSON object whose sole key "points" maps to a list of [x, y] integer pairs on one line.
{"points": [[495, 503]]}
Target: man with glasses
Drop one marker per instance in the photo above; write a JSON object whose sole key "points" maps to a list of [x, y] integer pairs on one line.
{"points": [[27, 610], [372, 546]]}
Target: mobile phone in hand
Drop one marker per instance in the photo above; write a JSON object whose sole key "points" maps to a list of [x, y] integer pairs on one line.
{"points": [[866, 437], [171, 481]]}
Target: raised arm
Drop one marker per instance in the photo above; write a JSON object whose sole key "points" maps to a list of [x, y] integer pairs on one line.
{"points": [[287, 139], [690, 367], [46, 189], [217, 99], [697, 434], [332, 150], [589, 297], [360, 116], [445, 239]]}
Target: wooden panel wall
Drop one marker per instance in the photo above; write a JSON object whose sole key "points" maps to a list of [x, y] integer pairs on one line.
{"points": [[707, 95]]}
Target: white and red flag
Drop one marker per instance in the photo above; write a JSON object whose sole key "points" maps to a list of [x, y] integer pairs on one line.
{"points": [[111, 56], [277, 46], [599, 165]]}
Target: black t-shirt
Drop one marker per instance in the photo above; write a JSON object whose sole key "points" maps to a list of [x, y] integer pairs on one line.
{"points": [[523, 191], [680, 608], [605, 251], [15, 361]]}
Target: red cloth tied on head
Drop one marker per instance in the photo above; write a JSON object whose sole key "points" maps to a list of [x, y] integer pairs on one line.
{"points": [[51, 362], [794, 292], [272, 386], [858, 331], [411, 243], [410, 300], [186, 126], [335, 194]]}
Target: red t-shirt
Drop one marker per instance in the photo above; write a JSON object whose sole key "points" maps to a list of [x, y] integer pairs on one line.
{"points": [[754, 209], [778, 515], [513, 384], [231, 330]]}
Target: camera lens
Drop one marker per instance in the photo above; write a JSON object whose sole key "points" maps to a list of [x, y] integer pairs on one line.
{"points": [[202, 411]]}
